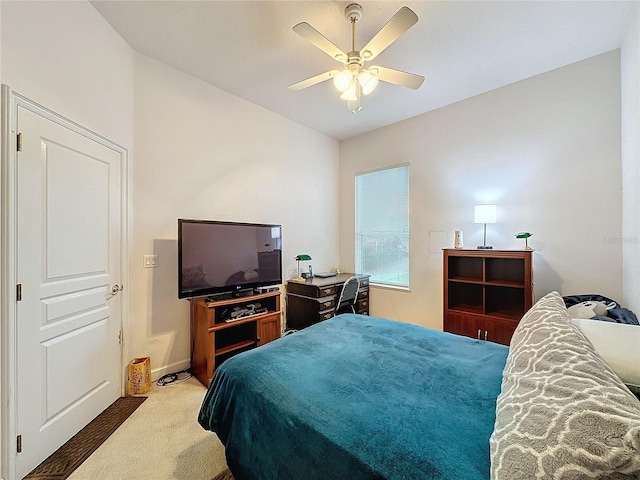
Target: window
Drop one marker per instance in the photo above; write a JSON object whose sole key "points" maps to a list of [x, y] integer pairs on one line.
{"points": [[382, 225]]}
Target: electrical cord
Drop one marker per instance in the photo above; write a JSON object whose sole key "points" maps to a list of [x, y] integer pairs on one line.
{"points": [[174, 378]]}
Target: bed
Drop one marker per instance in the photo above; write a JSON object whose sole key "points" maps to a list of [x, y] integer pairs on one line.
{"points": [[358, 397]]}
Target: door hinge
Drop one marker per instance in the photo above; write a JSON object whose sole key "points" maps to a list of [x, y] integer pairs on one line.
{"points": [[19, 142], [19, 444], [19, 292], [120, 337]]}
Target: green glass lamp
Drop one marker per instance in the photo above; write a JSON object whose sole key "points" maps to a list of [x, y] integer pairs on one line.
{"points": [[303, 257], [526, 236]]}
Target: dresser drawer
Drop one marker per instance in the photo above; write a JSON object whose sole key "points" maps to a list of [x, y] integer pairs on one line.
{"points": [[310, 290], [326, 315], [327, 303], [363, 307], [329, 290]]}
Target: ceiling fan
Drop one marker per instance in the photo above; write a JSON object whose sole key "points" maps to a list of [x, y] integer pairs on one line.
{"points": [[355, 80]]}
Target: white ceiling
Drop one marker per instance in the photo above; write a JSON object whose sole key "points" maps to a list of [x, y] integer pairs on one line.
{"points": [[463, 48]]}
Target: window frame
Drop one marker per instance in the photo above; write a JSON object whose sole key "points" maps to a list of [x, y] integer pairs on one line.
{"points": [[358, 256]]}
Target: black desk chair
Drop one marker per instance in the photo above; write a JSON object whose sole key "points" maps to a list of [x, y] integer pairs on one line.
{"points": [[348, 295]]}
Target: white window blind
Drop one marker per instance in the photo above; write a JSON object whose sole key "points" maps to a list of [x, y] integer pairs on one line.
{"points": [[382, 225]]}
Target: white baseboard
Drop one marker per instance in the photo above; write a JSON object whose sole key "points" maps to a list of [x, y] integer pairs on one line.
{"points": [[156, 373]]}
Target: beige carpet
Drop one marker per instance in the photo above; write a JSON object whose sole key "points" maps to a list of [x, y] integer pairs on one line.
{"points": [[160, 440]]}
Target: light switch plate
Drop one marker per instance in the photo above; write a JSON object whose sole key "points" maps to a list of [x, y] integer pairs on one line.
{"points": [[150, 261]]}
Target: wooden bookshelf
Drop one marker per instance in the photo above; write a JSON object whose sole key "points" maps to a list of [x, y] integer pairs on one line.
{"points": [[486, 292]]}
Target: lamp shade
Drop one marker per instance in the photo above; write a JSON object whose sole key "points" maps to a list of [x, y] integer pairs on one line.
{"points": [[367, 81], [302, 257], [342, 80], [485, 214], [351, 93]]}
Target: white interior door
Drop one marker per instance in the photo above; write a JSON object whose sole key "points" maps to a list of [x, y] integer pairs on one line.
{"points": [[68, 362]]}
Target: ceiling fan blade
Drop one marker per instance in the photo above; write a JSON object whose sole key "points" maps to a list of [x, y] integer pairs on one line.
{"points": [[399, 23], [310, 34], [313, 80], [397, 77]]}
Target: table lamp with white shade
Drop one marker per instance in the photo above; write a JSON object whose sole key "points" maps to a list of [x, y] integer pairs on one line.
{"points": [[485, 214]]}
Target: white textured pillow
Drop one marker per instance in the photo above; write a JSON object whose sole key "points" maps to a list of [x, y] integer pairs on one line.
{"points": [[562, 412], [617, 343]]}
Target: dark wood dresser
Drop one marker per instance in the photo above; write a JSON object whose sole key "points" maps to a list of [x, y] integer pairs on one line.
{"points": [[315, 299]]}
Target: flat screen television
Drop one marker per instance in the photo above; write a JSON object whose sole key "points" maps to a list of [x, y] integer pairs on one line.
{"points": [[227, 257]]}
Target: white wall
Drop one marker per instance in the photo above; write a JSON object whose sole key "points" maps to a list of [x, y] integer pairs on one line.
{"points": [[630, 86], [545, 150], [203, 153], [64, 56]]}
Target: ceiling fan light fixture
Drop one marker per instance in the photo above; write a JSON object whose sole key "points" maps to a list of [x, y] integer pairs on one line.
{"points": [[351, 93], [354, 80], [342, 81], [368, 81]]}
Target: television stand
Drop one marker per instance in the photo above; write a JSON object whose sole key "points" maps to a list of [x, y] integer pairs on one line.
{"points": [[217, 335]]}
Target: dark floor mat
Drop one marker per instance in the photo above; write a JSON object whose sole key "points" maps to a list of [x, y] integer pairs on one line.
{"points": [[226, 475], [70, 456]]}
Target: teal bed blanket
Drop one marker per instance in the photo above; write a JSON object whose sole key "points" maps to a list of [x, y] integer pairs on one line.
{"points": [[358, 397]]}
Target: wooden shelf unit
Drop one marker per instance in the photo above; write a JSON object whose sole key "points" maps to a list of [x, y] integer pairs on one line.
{"points": [[486, 292], [215, 340]]}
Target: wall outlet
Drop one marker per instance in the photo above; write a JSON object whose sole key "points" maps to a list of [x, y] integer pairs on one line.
{"points": [[150, 261]]}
